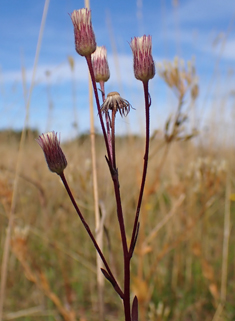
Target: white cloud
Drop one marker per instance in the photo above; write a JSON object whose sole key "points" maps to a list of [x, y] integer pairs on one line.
{"points": [[122, 67], [54, 73]]}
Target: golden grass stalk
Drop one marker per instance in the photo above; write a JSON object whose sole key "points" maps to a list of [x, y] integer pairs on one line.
{"points": [[34, 311], [223, 289], [225, 241], [11, 216], [20, 249], [99, 229], [152, 234]]}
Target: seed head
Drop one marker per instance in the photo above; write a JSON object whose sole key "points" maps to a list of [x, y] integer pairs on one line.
{"points": [[179, 76], [53, 153], [85, 43], [100, 64], [115, 102], [144, 68]]}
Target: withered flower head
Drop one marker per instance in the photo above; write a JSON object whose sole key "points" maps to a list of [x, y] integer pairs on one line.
{"points": [[179, 76], [144, 68], [53, 153], [115, 102], [85, 43], [100, 64]]}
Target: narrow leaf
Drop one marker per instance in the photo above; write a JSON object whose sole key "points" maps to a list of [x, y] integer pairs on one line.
{"points": [[134, 312]]}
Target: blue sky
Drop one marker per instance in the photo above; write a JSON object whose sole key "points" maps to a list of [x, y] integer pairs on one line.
{"points": [[204, 29]]}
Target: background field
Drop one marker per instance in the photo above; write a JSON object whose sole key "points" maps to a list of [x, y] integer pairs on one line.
{"points": [[183, 268], [179, 268]]}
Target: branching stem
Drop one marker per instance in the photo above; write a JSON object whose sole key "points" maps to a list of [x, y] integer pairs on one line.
{"points": [[114, 282]]}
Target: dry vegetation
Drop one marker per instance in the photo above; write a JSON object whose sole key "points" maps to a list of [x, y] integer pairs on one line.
{"points": [[183, 265], [179, 267]]}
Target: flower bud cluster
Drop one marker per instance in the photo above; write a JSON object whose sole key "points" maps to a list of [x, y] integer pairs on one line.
{"points": [[85, 45]]}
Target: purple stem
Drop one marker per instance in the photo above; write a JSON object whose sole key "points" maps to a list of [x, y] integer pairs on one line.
{"points": [[114, 282], [126, 257], [113, 137], [114, 173], [145, 166], [89, 63], [107, 121], [102, 90]]}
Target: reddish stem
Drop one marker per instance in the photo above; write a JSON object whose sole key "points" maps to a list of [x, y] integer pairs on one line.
{"points": [[113, 138], [102, 90], [114, 173], [145, 166], [107, 119], [114, 282], [126, 257], [89, 63]]}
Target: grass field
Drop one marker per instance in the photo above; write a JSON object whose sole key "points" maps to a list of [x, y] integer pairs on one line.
{"points": [[183, 267]]}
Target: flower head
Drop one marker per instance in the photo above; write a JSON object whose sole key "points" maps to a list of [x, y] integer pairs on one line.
{"points": [[115, 102], [100, 64], [143, 61], [85, 43], [54, 155]]}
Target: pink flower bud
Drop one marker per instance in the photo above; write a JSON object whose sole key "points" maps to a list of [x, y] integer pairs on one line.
{"points": [[143, 61], [100, 64], [54, 155], [85, 43]]}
